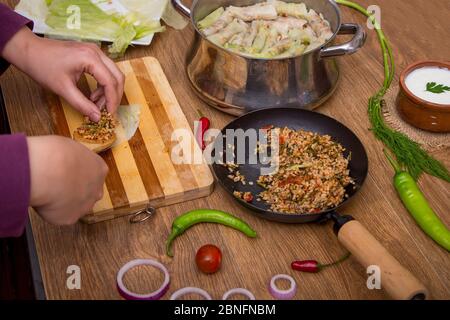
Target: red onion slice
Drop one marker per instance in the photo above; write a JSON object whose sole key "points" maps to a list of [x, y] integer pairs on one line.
{"points": [[242, 291], [187, 290], [282, 294], [155, 295]]}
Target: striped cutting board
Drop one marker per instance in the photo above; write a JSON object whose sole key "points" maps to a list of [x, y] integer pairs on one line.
{"points": [[141, 170]]}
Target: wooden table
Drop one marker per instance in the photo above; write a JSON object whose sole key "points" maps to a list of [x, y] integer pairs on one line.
{"points": [[417, 29]]}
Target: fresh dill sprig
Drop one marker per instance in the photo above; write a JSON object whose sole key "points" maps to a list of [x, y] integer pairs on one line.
{"points": [[408, 152]]}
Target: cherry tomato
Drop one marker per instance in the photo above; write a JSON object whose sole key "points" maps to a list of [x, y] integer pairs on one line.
{"points": [[208, 258]]}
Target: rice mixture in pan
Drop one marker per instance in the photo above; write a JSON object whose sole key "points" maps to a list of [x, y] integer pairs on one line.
{"points": [[312, 175]]}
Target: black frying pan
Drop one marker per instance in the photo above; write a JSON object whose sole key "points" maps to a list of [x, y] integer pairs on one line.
{"points": [[398, 281], [293, 119]]}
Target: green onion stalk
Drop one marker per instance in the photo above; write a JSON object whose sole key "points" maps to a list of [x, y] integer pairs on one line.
{"points": [[408, 152]]}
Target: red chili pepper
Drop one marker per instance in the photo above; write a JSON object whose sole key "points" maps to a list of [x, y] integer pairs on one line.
{"points": [[313, 266], [204, 125]]}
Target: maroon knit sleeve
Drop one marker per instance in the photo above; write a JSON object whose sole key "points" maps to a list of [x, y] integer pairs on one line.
{"points": [[10, 23], [15, 184]]}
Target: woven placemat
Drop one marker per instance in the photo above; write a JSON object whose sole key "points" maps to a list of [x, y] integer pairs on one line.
{"points": [[429, 140]]}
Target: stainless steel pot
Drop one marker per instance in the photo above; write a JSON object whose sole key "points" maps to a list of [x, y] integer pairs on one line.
{"points": [[238, 84]]}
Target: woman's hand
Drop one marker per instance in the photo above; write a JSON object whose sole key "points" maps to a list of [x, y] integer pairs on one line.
{"points": [[58, 65], [66, 179]]}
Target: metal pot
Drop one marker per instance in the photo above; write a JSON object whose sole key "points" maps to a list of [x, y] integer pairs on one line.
{"points": [[237, 84]]}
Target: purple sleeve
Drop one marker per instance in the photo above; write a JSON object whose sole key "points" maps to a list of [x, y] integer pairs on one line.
{"points": [[14, 184], [14, 162], [10, 23]]}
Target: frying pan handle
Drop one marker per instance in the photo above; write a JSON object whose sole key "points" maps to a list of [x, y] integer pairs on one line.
{"points": [[395, 279], [350, 47], [181, 8]]}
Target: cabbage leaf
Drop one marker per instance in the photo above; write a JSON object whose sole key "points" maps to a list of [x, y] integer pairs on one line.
{"points": [[96, 24]]}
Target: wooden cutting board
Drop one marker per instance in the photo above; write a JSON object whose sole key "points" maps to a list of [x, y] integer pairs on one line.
{"points": [[141, 171]]}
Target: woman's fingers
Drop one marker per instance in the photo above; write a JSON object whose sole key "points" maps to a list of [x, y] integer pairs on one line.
{"points": [[105, 79], [98, 97], [78, 100], [100, 103], [115, 71], [99, 92], [110, 82]]}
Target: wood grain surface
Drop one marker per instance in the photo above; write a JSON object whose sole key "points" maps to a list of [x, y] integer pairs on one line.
{"points": [[141, 171], [417, 30]]}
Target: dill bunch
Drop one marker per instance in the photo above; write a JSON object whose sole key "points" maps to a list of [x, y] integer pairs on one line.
{"points": [[408, 152]]}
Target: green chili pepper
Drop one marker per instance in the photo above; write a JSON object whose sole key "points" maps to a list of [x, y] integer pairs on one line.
{"points": [[418, 206], [187, 220]]}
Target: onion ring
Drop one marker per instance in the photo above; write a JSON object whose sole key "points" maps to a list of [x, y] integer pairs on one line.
{"points": [[242, 291], [282, 294], [155, 295], [183, 291]]}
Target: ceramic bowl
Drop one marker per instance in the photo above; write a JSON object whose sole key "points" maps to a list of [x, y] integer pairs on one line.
{"points": [[418, 112]]}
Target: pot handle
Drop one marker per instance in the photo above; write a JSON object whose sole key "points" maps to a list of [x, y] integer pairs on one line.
{"points": [[349, 47], [398, 282], [181, 8]]}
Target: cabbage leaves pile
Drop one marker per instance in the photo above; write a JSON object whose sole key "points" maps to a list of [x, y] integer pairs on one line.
{"points": [[96, 24], [84, 20]]}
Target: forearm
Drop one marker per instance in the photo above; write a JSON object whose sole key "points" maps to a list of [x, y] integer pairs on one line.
{"points": [[17, 50], [14, 185]]}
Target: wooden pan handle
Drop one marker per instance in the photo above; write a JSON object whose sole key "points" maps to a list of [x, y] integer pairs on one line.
{"points": [[395, 279]]}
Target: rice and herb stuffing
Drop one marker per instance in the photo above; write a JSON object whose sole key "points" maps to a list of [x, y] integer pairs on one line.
{"points": [[101, 131], [312, 174], [246, 196]]}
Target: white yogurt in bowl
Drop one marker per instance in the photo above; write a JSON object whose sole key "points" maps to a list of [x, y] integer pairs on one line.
{"points": [[417, 80]]}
